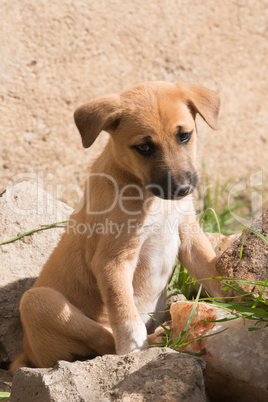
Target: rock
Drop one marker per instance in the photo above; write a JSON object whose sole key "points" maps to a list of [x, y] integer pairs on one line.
{"points": [[5, 381], [174, 299], [156, 374], [254, 262], [237, 359], [225, 241], [22, 208]]}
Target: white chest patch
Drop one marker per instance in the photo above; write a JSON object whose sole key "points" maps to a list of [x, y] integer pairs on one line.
{"points": [[160, 246]]}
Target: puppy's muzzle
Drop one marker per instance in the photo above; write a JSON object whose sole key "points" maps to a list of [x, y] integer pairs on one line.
{"points": [[170, 187]]}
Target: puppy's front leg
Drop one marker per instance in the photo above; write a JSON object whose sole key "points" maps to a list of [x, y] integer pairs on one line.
{"points": [[198, 256], [114, 276]]}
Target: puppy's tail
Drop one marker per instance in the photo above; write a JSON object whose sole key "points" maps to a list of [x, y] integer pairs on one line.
{"points": [[20, 361]]}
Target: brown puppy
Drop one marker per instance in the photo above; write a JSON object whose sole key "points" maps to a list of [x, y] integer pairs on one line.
{"points": [[113, 263]]}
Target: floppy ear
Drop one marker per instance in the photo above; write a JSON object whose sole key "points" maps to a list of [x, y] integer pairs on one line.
{"points": [[97, 115], [203, 101]]}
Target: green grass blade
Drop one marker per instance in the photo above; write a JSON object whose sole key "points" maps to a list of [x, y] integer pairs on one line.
{"points": [[4, 395], [217, 192], [265, 239], [179, 340], [216, 219], [191, 353], [191, 314], [43, 227], [261, 294], [238, 280], [252, 231], [233, 287], [257, 329], [229, 318], [160, 324], [242, 245], [204, 336]]}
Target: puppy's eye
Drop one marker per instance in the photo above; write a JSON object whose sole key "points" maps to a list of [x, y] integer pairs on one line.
{"points": [[184, 136], [144, 149]]}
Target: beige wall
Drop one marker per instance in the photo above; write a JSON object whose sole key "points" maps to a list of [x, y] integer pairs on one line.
{"points": [[58, 54]]}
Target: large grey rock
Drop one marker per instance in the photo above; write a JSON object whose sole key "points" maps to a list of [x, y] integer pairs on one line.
{"points": [[22, 208], [156, 374], [237, 359]]}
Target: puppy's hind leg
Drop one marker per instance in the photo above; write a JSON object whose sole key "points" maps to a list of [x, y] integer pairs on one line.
{"points": [[56, 330]]}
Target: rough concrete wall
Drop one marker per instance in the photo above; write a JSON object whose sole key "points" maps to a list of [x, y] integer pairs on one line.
{"points": [[56, 55]]}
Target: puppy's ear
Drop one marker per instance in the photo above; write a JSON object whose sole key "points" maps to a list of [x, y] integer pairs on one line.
{"points": [[97, 115], [203, 101]]}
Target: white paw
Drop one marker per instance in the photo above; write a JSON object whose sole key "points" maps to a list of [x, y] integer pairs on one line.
{"points": [[130, 337]]}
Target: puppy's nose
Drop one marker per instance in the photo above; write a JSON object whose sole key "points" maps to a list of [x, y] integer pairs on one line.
{"points": [[183, 190]]}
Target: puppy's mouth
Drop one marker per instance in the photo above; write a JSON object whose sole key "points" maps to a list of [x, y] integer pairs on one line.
{"points": [[170, 188]]}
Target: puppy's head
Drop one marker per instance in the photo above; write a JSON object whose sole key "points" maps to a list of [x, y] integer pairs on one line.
{"points": [[153, 132]]}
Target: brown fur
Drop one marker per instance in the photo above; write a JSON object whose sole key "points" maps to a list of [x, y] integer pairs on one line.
{"points": [[92, 292]]}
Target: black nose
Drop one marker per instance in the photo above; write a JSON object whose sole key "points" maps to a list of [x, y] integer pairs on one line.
{"points": [[183, 190]]}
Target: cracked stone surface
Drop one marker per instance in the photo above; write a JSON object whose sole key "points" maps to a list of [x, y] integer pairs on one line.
{"points": [[156, 374]]}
